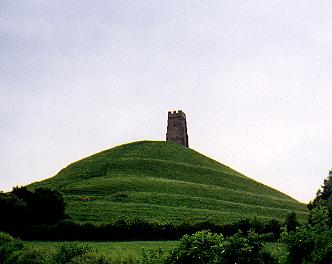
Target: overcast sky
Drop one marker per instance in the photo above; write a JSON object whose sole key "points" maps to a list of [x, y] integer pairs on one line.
{"points": [[253, 77]]}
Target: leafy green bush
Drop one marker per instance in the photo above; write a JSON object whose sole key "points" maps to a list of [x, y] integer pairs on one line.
{"points": [[200, 248], [300, 245], [23, 207], [90, 258], [30, 256], [207, 248], [69, 251], [153, 257], [8, 245], [323, 197], [322, 253], [311, 243], [241, 249], [291, 222], [5, 238]]}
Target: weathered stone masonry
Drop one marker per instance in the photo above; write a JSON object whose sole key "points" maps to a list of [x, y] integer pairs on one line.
{"points": [[177, 128]]}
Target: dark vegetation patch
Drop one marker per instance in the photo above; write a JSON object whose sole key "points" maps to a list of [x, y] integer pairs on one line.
{"points": [[24, 207]]}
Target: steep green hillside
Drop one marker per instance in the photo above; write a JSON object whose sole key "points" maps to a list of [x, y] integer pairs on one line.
{"points": [[164, 182]]}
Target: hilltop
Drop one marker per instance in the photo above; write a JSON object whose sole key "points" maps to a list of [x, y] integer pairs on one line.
{"points": [[164, 182]]}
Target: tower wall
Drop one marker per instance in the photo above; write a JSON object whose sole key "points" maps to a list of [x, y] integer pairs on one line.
{"points": [[177, 128]]}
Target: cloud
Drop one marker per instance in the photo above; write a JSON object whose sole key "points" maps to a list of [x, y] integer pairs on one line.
{"points": [[252, 76]]}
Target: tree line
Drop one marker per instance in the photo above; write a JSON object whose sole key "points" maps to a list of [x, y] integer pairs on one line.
{"points": [[23, 207]]}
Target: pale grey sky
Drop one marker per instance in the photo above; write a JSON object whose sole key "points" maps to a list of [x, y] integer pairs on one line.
{"points": [[253, 77]]}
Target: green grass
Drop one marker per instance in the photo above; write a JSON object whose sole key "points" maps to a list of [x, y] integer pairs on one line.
{"points": [[164, 182], [135, 249], [115, 250]]}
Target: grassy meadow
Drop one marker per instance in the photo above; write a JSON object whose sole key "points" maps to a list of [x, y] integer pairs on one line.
{"points": [[116, 250], [166, 183], [134, 250]]}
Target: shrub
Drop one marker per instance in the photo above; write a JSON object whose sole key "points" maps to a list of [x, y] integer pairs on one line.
{"points": [[47, 206], [311, 243], [238, 248], [90, 258], [69, 251], [267, 258], [274, 227], [245, 249], [153, 257], [300, 245], [5, 238], [14, 209], [30, 256], [8, 245], [322, 253], [199, 248], [207, 248], [291, 222]]}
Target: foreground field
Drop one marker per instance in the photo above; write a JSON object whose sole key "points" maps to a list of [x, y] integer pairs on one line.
{"points": [[117, 250], [134, 250], [166, 183]]}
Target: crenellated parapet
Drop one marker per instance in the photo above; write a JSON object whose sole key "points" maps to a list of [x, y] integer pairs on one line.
{"points": [[176, 114]]}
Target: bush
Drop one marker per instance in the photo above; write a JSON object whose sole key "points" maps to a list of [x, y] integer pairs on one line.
{"points": [[23, 207], [90, 258], [8, 245], [240, 249], [30, 256], [322, 253], [300, 245], [69, 251], [291, 222], [267, 258], [311, 243], [199, 248], [153, 257], [5, 238], [207, 248], [14, 209], [47, 206]]}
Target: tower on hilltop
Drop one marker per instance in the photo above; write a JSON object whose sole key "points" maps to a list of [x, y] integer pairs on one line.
{"points": [[177, 128]]}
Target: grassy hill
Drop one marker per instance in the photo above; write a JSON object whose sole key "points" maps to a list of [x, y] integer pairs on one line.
{"points": [[164, 182]]}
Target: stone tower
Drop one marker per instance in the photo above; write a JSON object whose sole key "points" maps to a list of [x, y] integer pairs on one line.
{"points": [[177, 128]]}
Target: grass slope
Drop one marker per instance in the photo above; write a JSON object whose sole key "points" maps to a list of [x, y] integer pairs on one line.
{"points": [[164, 182]]}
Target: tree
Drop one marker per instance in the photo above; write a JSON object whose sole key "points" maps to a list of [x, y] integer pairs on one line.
{"points": [[311, 243], [23, 193], [291, 222], [22, 206], [48, 206], [323, 196], [205, 247], [13, 209], [200, 248]]}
